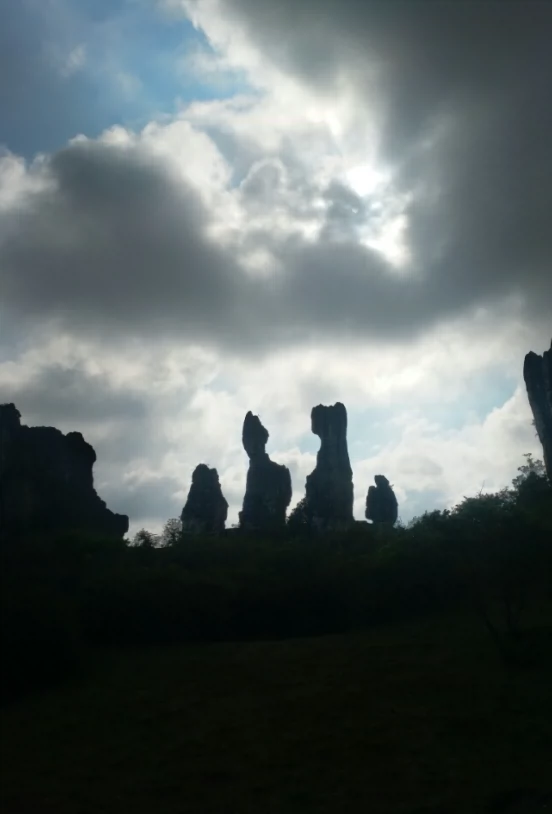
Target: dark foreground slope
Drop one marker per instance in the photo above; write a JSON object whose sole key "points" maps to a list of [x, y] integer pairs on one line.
{"points": [[417, 718]]}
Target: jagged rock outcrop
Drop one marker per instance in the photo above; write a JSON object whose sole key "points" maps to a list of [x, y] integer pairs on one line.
{"points": [[381, 503], [329, 488], [537, 372], [46, 482], [206, 508], [268, 487]]}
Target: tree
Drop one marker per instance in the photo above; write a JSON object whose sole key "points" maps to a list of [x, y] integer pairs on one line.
{"points": [[298, 520], [504, 539], [530, 469], [146, 539], [533, 497], [172, 532]]}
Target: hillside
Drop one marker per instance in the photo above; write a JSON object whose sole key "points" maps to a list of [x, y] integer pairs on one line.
{"points": [[422, 717]]}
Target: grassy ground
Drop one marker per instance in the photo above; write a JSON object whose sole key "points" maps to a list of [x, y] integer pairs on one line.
{"points": [[413, 719]]}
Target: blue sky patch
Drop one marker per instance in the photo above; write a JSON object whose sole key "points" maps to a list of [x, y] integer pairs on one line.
{"points": [[83, 67]]}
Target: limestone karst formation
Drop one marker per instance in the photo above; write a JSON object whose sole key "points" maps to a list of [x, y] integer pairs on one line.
{"points": [[268, 487], [537, 372], [46, 482], [329, 487], [206, 508], [381, 503]]}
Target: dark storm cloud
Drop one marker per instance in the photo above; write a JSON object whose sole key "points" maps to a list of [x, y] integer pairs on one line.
{"points": [[412, 58], [462, 93], [58, 394], [116, 244]]}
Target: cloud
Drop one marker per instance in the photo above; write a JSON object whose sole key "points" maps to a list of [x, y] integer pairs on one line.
{"points": [[74, 62], [125, 235], [452, 98], [57, 394], [392, 172], [410, 60], [116, 242], [427, 459], [148, 500]]}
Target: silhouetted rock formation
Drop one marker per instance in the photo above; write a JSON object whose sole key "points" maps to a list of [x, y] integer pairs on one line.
{"points": [[329, 488], [268, 488], [46, 482], [206, 508], [381, 503], [537, 372]]}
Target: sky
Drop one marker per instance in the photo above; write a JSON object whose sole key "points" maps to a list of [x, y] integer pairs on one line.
{"points": [[215, 206]]}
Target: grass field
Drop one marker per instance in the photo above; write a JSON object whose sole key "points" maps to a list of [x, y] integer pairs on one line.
{"points": [[422, 718]]}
